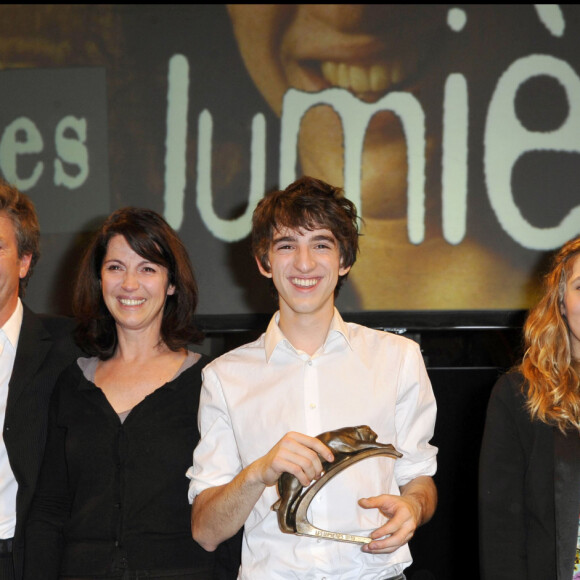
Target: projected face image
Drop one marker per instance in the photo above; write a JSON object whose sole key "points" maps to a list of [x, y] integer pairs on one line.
{"points": [[365, 50], [372, 51], [413, 105]]}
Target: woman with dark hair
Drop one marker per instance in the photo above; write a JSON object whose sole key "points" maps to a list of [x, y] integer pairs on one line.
{"points": [[112, 495], [529, 496]]}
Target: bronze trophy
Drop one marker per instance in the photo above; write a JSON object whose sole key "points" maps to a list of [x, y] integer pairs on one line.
{"points": [[349, 445]]}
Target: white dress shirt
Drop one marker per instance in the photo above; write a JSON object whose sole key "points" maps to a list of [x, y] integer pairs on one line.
{"points": [[252, 396], [8, 487]]}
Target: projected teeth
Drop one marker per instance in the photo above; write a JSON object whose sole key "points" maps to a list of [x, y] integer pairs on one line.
{"points": [[375, 78]]}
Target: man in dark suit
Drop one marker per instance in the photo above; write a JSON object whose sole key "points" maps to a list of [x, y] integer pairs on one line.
{"points": [[33, 351]]}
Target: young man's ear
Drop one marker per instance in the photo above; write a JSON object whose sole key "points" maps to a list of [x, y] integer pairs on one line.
{"points": [[343, 270], [263, 270]]}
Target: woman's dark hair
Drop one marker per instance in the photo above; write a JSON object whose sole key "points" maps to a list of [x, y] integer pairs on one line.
{"points": [[150, 236]]}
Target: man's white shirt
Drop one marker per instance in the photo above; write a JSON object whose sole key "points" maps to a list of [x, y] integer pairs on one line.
{"points": [[9, 335]]}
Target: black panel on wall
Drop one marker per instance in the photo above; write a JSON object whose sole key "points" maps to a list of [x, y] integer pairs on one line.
{"points": [[447, 547], [463, 365]]}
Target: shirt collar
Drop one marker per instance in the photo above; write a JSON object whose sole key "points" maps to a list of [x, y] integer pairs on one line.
{"points": [[12, 326], [338, 333]]}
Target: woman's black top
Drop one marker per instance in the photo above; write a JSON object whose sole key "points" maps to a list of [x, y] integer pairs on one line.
{"points": [[529, 491], [112, 496]]}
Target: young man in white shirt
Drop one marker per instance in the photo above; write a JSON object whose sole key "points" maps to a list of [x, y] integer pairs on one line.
{"points": [[263, 404]]}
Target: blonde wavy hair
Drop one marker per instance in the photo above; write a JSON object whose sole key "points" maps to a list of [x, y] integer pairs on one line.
{"points": [[552, 381]]}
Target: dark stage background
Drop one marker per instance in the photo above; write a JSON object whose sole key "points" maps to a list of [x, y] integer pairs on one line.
{"points": [[454, 129]]}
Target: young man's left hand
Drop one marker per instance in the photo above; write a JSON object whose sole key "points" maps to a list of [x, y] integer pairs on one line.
{"points": [[405, 513]]}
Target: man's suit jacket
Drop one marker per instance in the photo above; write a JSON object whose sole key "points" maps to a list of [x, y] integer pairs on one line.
{"points": [[529, 492], [45, 348]]}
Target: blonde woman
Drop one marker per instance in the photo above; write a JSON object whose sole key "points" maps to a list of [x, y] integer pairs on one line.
{"points": [[529, 496]]}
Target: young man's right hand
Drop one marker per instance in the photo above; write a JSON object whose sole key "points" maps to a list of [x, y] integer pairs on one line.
{"points": [[297, 454]]}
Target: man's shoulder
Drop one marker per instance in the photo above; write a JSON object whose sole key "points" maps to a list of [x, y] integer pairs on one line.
{"points": [[57, 326]]}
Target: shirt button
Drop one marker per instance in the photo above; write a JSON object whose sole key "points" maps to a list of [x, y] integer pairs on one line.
{"points": [[310, 364], [313, 405]]}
